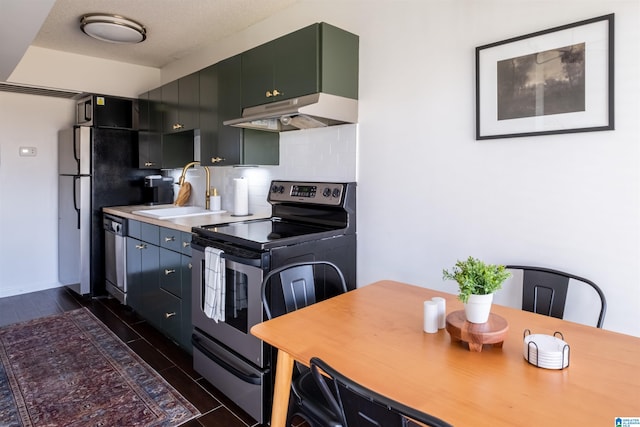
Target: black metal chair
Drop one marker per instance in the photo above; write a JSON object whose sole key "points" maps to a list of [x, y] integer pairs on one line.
{"points": [[360, 406], [544, 291], [302, 284]]}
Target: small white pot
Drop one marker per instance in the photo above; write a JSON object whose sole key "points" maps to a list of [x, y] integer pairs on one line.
{"points": [[478, 307]]}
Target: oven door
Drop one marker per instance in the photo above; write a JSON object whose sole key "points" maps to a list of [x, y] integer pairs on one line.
{"points": [[243, 304]]}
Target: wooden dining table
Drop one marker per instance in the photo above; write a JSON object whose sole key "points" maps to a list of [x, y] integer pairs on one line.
{"points": [[375, 336]]}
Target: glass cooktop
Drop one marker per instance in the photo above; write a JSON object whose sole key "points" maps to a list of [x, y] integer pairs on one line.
{"points": [[262, 232]]}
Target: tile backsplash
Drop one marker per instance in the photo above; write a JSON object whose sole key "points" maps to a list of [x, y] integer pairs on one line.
{"points": [[324, 154]]}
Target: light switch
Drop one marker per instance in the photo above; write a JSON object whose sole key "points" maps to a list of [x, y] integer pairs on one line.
{"points": [[28, 151]]}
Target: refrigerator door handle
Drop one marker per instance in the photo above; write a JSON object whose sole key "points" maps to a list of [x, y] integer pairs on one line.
{"points": [[76, 139], [75, 198]]}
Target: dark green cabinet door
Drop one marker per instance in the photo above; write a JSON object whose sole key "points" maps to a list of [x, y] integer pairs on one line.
{"points": [[150, 268], [169, 314], [149, 135], [220, 100], [284, 68], [180, 100], [317, 58], [134, 274], [170, 106], [189, 101], [296, 63]]}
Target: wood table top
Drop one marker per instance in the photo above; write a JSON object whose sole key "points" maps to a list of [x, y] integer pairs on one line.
{"points": [[374, 335]]}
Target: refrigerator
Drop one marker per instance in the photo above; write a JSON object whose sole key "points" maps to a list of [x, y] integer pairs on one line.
{"points": [[97, 167]]}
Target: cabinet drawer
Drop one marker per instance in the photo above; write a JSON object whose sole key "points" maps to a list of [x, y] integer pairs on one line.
{"points": [[133, 228], [171, 271], [185, 246], [175, 240], [150, 233], [170, 239]]}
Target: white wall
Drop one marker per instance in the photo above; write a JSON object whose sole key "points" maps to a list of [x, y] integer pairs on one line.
{"points": [[29, 191], [429, 194]]}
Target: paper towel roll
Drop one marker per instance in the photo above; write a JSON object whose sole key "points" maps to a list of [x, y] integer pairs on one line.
{"points": [[442, 311], [240, 197], [430, 317]]}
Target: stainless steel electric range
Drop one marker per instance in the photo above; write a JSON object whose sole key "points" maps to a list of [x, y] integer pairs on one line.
{"points": [[310, 221]]}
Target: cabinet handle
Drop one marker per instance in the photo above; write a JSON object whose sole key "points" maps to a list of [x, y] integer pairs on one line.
{"points": [[149, 163], [190, 266], [275, 92], [141, 246], [177, 126], [168, 315], [186, 244], [168, 271], [217, 159], [170, 239]]}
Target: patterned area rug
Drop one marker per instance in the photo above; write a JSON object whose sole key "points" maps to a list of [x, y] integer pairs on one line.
{"points": [[70, 370]]}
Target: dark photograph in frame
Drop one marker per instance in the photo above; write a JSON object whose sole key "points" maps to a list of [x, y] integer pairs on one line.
{"points": [[539, 84]]}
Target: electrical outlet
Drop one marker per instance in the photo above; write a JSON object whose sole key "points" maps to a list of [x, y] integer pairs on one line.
{"points": [[28, 151]]}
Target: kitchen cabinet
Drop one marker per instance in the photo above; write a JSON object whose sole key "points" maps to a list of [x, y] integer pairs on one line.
{"points": [[220, 100], [180, 101], [317, 58], [150, 129], [159, 278]]}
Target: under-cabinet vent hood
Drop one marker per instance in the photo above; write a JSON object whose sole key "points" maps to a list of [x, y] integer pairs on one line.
{"points": [[304, 112]]}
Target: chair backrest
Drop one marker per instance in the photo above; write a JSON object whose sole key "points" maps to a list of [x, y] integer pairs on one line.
{"points": [[362, 407], [544, 291], [298, 286]]}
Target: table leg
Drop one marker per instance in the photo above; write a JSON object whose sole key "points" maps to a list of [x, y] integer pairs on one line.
{"points": [[282, 389]]}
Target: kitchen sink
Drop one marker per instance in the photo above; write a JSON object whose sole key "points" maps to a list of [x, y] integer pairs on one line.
{"points": [[176, 212]]}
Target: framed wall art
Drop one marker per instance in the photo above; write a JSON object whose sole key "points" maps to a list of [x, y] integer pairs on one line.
{"points": [[554, 81]]}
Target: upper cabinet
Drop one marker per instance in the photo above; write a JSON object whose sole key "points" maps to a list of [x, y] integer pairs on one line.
{"points": [[317, 58], [180, 100], [150, 130], [220, 100]]}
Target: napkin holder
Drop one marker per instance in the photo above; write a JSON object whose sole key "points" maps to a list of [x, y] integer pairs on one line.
{"points": [[531, 345]]}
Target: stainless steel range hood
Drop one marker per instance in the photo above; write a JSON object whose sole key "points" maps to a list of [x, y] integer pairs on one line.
{"points": [[304, 112]]}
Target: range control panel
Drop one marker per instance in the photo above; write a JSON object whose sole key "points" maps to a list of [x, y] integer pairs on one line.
{"points": [[325, 193]]}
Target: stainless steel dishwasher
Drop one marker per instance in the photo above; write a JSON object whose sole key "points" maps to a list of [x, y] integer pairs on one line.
{"points": [[115, 256]]}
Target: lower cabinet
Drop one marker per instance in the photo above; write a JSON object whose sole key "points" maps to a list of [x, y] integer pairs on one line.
{"points": [[159, 279]]}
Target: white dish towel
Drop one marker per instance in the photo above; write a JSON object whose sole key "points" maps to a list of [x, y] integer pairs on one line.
{"points": [[214, 284]]}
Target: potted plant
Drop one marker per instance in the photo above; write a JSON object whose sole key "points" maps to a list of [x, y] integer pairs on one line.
{"points": [[477, 282]]}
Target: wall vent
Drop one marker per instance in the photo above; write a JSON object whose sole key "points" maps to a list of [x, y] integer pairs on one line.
{"points": [[41, 91]]}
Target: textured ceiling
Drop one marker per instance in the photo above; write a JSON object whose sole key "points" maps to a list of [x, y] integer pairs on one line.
{"points": [[175, 28]]}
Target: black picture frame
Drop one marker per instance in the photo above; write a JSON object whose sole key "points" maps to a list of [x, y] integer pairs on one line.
{"points": [[555, 81]]}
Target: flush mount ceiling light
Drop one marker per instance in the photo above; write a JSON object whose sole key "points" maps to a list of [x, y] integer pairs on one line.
{"points": [[112, 28]]}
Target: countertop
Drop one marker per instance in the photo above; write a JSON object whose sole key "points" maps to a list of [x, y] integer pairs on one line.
{"points": [[182, 224]]}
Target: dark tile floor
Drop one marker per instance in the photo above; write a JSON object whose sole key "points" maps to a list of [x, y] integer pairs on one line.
{"points": [[174, 364]]}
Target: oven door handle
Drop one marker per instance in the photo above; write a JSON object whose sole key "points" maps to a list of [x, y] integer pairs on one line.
{"points": [[251, 379], [254, 262]]}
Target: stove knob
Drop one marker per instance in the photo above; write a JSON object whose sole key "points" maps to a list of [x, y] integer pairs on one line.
{"points": [[326, 192], [336, 192], [281, 189], [274, 188]]}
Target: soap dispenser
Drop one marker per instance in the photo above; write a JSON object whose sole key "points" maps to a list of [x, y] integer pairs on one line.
{"points": [[214, 200]]}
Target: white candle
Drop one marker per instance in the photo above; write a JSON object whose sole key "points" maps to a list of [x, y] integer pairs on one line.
{"points": [[442, 311], [430, 317]]}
